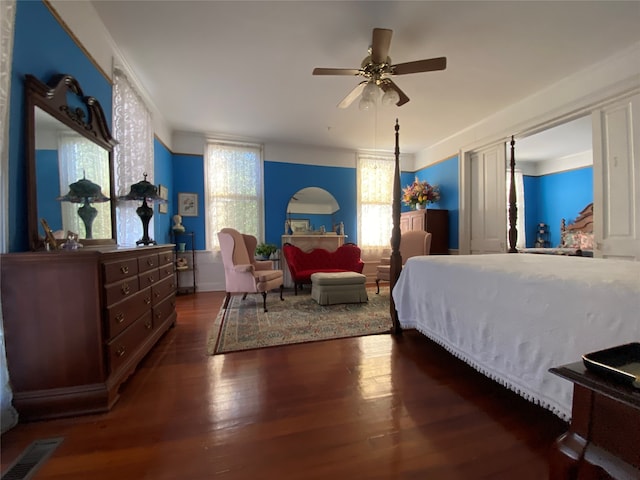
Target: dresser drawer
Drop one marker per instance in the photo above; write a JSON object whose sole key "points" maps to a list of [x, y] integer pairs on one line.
{"points": [[163, 310], [123, 314], [166, 257], [162, 289], [116, 292], [148, 262], [148, 278], [119, 269], [166, 270], [128, 342]]}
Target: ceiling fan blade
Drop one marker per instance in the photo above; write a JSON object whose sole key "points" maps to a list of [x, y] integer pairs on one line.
{"points": [[353, 94], [418, 66], [336, 71], [380, 44], [388, 84]]}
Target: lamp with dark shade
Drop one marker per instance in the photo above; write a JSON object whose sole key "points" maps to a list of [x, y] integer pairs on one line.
{"points": [[144, 191], [86, 192]]}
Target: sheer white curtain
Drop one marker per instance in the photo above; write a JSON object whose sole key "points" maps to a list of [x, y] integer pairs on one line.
{"points": [[80, 158], [233, 189], [8, 415], [375, 198], [519, 181], [133, 155]]}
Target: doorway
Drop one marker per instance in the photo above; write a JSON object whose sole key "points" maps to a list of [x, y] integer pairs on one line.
{"points": [[557, 177]]}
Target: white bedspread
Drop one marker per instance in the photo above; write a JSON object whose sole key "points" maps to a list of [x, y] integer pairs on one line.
{"points": [[512, 317]]}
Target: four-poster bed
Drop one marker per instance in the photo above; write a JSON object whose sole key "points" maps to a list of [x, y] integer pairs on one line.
{"points": [[515, 316]]}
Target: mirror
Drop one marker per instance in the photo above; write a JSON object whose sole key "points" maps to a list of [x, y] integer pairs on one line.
{"points": [[69, 164], [312, 209]]}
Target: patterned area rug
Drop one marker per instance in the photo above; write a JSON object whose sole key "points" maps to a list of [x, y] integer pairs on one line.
{"points": [[297, 319]]}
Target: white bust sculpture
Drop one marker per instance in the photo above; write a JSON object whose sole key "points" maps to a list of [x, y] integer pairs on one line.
{"points": [[177, 223]]}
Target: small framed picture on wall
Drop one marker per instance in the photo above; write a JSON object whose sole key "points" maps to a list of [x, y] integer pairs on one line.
{"points": [[188, 204], [163, 193]]}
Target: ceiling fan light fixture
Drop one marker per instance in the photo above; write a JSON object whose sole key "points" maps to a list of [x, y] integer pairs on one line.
{"points": [[376, 68], [370, 92], [366, 104], [390, 97]]}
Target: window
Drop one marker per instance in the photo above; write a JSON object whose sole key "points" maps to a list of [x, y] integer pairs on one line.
{"points": [[80, 158], [375, 196], [133, 155], [233, 189]]}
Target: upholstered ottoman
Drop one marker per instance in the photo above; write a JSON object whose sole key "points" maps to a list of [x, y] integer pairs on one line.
{"points": [[338, 287]]}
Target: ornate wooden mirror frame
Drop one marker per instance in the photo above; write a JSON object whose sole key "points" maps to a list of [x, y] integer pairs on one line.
{"points": [[63, 99]]}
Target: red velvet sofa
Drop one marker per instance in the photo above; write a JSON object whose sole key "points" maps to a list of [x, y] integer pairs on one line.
{"points": [[302, 264]]}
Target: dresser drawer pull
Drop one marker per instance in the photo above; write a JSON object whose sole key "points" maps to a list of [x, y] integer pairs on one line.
{"points": [[120, 318], [120, 351], [159, 315], [156, 294], [124, 269], [125, 289], [150, 262], [147, 300], [151, 279], [167, 258], [148, 324], [168, 271]]}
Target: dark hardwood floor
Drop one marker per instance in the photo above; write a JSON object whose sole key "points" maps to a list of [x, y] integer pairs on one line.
{"points": [[377, 407]]}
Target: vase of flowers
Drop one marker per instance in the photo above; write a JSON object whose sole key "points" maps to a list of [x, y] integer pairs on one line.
{"points": [[420, 194]]}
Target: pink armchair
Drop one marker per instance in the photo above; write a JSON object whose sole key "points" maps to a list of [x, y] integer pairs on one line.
{"points": [[412, 243], [242, 273]]}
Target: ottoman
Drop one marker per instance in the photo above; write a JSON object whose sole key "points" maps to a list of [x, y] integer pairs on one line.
{"points": [[338, 287]]}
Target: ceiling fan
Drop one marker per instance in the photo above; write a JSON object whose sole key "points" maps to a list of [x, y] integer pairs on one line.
{"points": [[376, 68]]}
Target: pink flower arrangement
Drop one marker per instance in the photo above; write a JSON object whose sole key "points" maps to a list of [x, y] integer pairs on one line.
{"points": [[420, 193]]}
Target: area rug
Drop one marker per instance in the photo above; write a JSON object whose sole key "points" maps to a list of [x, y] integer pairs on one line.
{"points": [[298, 319]]}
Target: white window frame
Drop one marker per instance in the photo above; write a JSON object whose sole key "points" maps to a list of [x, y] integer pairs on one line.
{"points": [[214, 221]]}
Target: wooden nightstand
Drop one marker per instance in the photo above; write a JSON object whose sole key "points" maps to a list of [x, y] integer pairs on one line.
{"points": [[603, 440]]}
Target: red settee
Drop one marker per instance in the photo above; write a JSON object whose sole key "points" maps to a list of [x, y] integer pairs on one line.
{"points": [[345, 258]]}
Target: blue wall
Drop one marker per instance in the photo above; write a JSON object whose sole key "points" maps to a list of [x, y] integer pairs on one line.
{"points": [[162, 175], [445, 174], [282, 180], [188, 177], [550, 198], [41, 48], [48, 180]]}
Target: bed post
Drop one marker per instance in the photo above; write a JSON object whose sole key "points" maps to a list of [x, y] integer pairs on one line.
{"points": [[513, 209], [396, 258]]}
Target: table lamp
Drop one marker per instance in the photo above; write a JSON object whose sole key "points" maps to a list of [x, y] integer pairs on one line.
{"points": [[144, 191], [86, 192]]}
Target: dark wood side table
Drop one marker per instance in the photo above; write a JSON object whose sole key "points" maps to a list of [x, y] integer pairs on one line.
{"points": [[603, 441]]}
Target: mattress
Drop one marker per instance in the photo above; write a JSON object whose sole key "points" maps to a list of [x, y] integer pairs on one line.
{"points": [[512, 317]]}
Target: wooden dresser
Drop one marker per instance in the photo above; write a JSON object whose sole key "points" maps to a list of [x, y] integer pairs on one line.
{"points": [[78, 323], [433, 221]]}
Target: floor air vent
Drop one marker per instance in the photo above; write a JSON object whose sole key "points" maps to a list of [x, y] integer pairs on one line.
{"points": [[32, 459]]}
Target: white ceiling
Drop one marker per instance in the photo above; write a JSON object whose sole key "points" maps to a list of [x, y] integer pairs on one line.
{"points": [[243, 69], [555, 143]]}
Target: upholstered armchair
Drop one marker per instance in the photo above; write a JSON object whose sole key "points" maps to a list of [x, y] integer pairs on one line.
{"points": [[242, 273], [412, 243]]}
